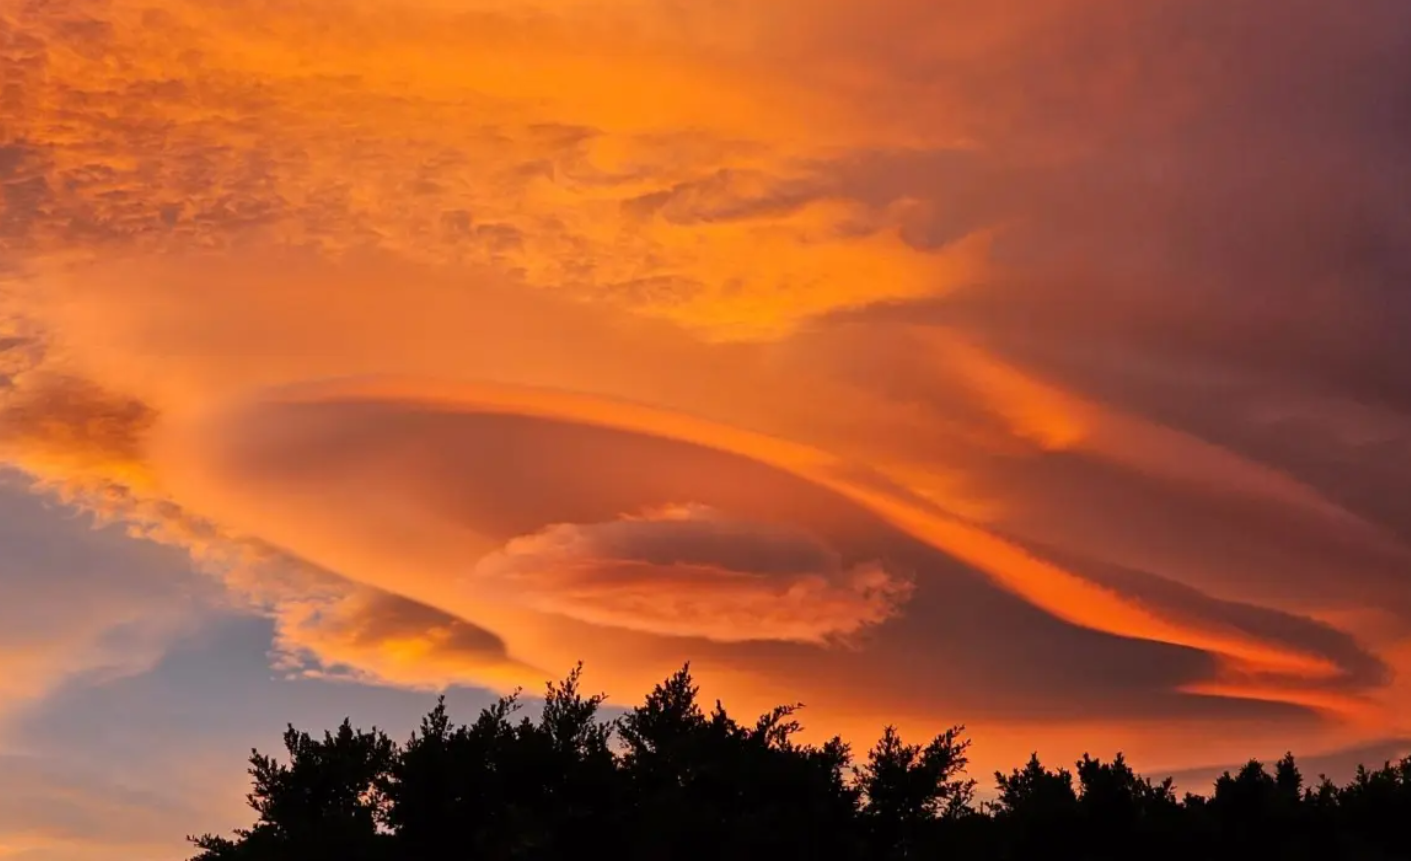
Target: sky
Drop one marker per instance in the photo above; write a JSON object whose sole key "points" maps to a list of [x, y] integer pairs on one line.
{"points": [[1036, 365]]}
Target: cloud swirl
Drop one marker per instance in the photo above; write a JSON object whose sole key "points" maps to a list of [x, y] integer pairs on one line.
{"points": [[1034, 365]]}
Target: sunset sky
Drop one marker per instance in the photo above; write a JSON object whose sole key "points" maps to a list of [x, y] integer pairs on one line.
{"points": [[1038, 365]]}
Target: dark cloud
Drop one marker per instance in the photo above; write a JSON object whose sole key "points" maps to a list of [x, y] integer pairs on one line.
{"points": [[1199, 184], [1246, 547], [69, 414], [1358, 668]]}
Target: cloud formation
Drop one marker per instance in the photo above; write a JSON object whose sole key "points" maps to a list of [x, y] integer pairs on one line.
{"points": [[361, 486], [1048, 356], [690, 571], [363, 634]]}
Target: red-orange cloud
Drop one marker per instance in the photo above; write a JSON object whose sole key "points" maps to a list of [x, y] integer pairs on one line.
{"points": [[402, 318], [362, 634], [694, 572]]}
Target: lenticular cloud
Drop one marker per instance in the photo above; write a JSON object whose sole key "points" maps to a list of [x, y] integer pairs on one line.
{"points": [[694, 571]]}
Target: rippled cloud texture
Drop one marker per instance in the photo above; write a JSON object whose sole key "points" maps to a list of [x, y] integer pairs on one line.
{"points": [[1036, 365]]}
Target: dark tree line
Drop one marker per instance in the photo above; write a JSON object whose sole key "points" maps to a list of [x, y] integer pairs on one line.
{"points": [[669, 780]]}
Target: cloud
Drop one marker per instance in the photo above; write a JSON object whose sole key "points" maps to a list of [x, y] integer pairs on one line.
{"points": [[690, 571], [291, 464], [1044, 305], [86, 447], [367, 635], [1335, 676], [570, 140], [66, 428], [403, 488]]}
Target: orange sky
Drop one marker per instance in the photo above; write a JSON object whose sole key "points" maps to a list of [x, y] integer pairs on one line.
{"points": [[1032, 365]]}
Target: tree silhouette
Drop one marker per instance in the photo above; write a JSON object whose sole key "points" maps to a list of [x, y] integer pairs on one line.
{"points": [[705, 786], [668, 780], [325, 805], [909, 789], [1036, 808], [504, 789]]}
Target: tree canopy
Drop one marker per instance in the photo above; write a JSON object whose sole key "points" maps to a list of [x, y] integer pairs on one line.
{"points": [[669, 780]]}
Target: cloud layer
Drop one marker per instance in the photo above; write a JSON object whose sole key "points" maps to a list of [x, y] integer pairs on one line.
{"points": [[1034, 365]]}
